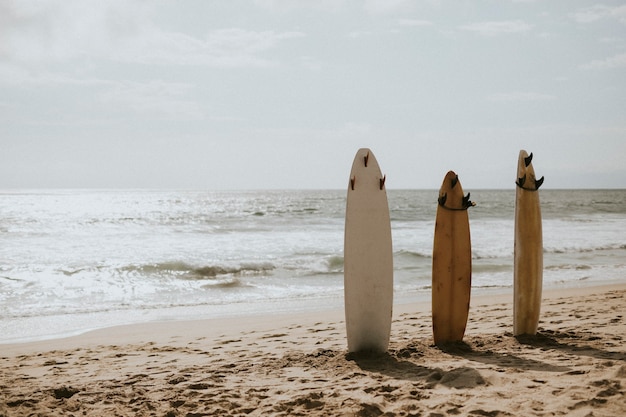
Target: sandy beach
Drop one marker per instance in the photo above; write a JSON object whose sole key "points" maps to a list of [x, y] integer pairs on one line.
{"points": [[298, 365]]}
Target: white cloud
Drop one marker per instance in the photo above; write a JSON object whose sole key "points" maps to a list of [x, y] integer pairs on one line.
{"points": [[414, 22], [377, 7], [359, 129], [15, 75], [599, 12], [494, 28], [520, 96], [616, 61], [62, 31], [355, 34], [610, 39], [289, 5], [228, 48], [152, 99], [590, 14], [312, 63]]}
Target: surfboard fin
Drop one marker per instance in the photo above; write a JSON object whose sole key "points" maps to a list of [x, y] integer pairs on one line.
{"points": [[520, 183], [382, 181], [467, 203], [455, 181], [528, 159], [366, 158], [352, 181]]}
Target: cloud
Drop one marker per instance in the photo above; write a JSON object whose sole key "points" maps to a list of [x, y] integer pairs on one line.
{"points": [[312, 63], [414, 22], [494, 28], [616, 61], [599, 12], [284, 6], [359, 129], [153, 99], [226, 48], [355, 34], [520, 96], [62, 31], [378, 7]]}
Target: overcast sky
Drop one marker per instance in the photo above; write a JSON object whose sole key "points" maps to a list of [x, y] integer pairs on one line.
{"points": [[281, 93]]}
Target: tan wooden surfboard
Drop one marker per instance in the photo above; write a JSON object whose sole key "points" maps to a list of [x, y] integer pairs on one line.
{"points": [[528, 251], [368, 257], [452, 262]]}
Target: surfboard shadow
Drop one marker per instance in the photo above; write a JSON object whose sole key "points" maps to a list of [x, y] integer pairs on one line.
{"points": [[551, 339], [389, 365], [503, 360]]}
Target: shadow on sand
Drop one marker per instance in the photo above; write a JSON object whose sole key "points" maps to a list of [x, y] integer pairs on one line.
{"points": [[572, 343], [502, 360], [388, 364]]}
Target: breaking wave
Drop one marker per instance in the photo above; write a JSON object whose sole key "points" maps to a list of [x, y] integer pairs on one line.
{"points": [[183, 270]]}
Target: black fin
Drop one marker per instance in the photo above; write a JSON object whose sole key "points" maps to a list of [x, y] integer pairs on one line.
{"points": [[442, 199], [455, 181], [521, 181], [467, 203], [528, 159], [538, 183], [352, 181], [366, 158], [382, 181]]}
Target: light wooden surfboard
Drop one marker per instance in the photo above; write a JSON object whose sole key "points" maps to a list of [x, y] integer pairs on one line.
{"points": [[528, 252], [368, 257], [452, 262]]}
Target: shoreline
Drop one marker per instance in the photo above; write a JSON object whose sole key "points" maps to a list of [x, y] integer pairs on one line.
{"points": [[248, 321], [298, 365], [268, 308]]}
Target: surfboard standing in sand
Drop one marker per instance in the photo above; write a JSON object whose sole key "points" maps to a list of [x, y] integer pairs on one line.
{"points": [[452, 262], [368, 257], [528, 252]]}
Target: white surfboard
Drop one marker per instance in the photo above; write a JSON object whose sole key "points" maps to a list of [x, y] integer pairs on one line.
{"points": [[368, 257], [528, 252]]}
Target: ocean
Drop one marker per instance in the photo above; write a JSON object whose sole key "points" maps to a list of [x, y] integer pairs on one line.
{"points": [[75, 260]]}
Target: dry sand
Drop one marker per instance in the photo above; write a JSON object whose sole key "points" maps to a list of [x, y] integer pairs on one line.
{"points": [[298, 365]]}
